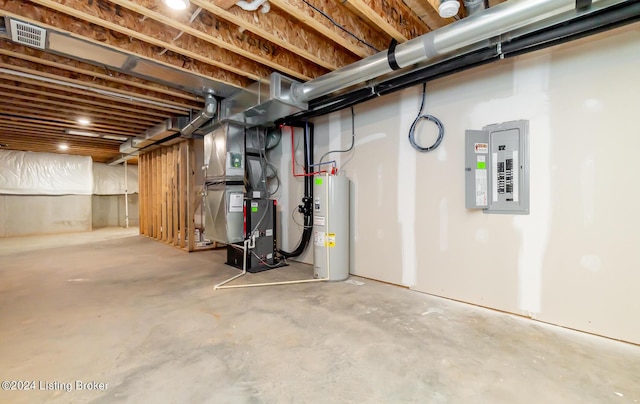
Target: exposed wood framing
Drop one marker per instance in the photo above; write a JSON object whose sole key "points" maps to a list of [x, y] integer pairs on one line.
{"points": [[428, 12], [276, 27], [16, 86], [51, 61], [49, 106], [392, 16], [168, 195], [232, 38], [118, 19], [100, 35], [182, 193], [311, 18], [225, 4], [35, 123], [80, 93], [192, 196], [63, 117]]}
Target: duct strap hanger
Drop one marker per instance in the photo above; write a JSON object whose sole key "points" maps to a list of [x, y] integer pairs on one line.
{"points": [[583, 4], [391, 55]]}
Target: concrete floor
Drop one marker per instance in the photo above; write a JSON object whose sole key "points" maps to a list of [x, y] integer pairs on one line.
{"points": [[143, 318]]}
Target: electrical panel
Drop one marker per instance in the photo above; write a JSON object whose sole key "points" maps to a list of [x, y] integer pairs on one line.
{"points": [[497, 168]]}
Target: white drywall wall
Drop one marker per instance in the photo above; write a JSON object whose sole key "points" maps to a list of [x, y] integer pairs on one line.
{"points": [[573, 260]]}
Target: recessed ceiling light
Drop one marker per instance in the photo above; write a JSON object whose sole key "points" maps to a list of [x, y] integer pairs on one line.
{"points": [[84, 121], [63, 146], [121, 138], [177, 4], [81, 133]]}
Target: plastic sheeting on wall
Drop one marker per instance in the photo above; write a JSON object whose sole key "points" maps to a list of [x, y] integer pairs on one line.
{"points": [[109, 180], [28, 173]]}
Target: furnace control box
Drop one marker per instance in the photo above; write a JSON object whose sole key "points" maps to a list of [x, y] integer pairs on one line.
{"points": [[497, 168]]}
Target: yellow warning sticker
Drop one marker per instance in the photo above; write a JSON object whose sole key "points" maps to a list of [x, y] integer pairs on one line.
{"points": [[330, 240]]}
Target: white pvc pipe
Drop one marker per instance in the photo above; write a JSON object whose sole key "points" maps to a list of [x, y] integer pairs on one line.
{"points": [[126, 197], [244, 268], [254, 5]]}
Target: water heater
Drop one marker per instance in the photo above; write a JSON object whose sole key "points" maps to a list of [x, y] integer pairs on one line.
{"points": [[331, 227]]}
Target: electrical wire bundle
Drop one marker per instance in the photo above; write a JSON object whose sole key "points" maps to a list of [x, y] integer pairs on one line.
{"points": [[420, 117]]}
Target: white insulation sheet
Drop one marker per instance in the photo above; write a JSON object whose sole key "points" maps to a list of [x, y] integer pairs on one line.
{"points": [[27, 173], [109, 180]]}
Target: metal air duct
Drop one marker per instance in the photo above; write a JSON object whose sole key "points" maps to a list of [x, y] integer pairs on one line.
{"points": [[208, 112], [444, 41]]}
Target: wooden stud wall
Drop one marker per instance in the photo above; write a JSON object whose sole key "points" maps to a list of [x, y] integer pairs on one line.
{"points": [[168, 197]]}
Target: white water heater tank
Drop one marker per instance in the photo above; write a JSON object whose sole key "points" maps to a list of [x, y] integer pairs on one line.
{"points": [[331, 227]]}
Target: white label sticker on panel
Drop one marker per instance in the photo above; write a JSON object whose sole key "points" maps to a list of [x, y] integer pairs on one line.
{"points": [[481, 187], [318, 220], [318, 238], [482, 148], [268, 232], [494, 179], [516, 175], [236, 202]]}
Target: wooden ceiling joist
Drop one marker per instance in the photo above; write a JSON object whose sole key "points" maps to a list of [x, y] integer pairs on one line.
{"points": [[11, 134], [54, 61], [313, 19], [276, 27], [97, 34], [17, 100], [78, 109], [428, 12], [64, 116], [72, 103], [392, 16], [25, 87], [232, 38], [155, 33], [93, 95], [62, 75], [27, 122]]}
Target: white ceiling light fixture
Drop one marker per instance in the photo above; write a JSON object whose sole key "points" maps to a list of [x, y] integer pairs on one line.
{"points": [[177, 4], [63, 146], [110, 137], [84, 121], [81, 133]]}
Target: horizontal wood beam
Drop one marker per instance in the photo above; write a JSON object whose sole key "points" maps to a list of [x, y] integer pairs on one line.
{"points": [[277, 28], [428, 12], [34, 111], [79, 93], [27, 87], [306, 14], [35, 123], [232, 38], [56, 106], [100, 35], [392, 16], [62, 75], [59, 62], [25, 135]]}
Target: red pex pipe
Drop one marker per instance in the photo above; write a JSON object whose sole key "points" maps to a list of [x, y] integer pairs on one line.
{"points": [[293, 160]]}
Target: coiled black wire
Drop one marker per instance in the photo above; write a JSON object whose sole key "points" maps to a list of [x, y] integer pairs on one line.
{"points": [[421, 116]]}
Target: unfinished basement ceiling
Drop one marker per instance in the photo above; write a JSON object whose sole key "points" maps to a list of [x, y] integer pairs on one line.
{"points": [[139, 62]]}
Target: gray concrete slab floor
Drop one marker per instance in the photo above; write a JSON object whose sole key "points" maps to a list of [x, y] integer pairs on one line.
{"points": [[142, 318]]}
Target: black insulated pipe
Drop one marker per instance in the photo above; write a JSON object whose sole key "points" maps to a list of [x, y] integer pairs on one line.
{"points": [[306, 208], [582, 26]]}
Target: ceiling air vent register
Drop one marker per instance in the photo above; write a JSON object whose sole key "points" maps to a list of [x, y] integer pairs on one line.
{"points": [[28, 34]]}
